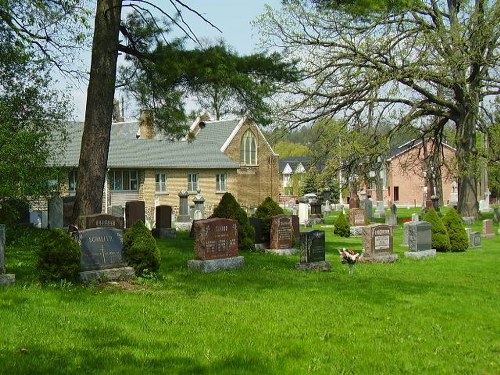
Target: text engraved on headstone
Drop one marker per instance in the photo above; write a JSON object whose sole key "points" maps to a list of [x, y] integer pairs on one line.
{"points": [[101, 248], [216, 239]]}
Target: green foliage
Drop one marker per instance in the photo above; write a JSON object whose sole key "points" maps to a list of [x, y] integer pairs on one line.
{"points": [[58, 257], [342, 227], [140, 249], [311, 181], [265, 211], [459, 241], [440, 238], [229, 208], [286, 149]]}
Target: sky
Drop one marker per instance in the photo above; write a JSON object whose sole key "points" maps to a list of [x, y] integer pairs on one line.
{"points": [[232, 17]]}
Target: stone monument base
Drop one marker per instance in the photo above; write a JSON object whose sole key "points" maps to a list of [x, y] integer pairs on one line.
{"points": [[356, 231], [421, 254], [322, 266], [488, 235], [381, 258], [183, 226], [7, 278], [164, 232], [282, 251], [261, 246], [212, 265], [110, 274]]}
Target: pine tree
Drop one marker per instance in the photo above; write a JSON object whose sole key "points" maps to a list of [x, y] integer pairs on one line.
{"points": [[440, 238], [459, 240]]}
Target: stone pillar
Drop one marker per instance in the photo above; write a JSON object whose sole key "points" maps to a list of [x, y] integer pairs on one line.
{"points": [[183, 216], [199, 206]]}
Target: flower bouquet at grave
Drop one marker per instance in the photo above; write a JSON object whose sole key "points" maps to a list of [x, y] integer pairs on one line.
{"points": [[350, 257]]}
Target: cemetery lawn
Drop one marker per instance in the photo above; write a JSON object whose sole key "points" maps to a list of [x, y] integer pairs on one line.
{"points": [[431, 316]]}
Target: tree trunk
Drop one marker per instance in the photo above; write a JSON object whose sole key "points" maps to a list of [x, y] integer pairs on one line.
{"points": [[99, 109], [467, 165]]}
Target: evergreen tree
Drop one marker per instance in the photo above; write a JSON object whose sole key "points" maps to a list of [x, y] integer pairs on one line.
{"points": [[440, 238], [459, 241], [342, 227]]}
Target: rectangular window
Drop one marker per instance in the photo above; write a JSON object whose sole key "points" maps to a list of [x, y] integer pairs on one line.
{"points": [[72, 177], [161, 182], [192, 182], [125, 180], [396, 193], [221, 183]]}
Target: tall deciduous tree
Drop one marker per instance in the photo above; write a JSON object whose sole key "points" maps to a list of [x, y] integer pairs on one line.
{"points": [[424, 61]]}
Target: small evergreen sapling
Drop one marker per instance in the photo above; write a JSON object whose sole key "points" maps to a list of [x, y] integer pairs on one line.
{"points": [[140, 249], [440, 238], [459, 240], [58, 257], [229, 208], [342, 227]]}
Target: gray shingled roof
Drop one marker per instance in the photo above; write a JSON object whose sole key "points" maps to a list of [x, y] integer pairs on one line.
{"points": [[126, 151]]}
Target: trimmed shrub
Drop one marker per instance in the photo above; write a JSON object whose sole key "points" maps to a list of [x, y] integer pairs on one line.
{"points": [[58, 257], [342, 227], [140, 249], [229, 208], [459, 241], [266, 210], [440, 238]]}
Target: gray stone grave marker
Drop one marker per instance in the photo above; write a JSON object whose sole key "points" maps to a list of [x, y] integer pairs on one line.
{"points": [[101, 244], [56, 212], [474, 238], [420, 240], [312, 252]]}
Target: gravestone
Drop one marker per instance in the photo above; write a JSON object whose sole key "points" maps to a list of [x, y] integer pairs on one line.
{"points": [[164, 222], [100, 238], [199, 206], [369, 209], [405, 234], [312, 252], [377, 239], [488, 228], [281, 241], [484, 204], [303, 213], [5, 278], [134, 211], [296, 227], [68, 204], [117, 211], [353, 200], [468, 220], [453, 195], [261, 239], [380, 210], [474, 238], [216, 245], [357, 217], [391, 219], [419, 240], [55, 212], [183, 215], [414, 217]]}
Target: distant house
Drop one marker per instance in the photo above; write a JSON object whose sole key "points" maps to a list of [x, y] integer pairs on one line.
{"points": [[292, 170], [404, 177], [225, 156]]}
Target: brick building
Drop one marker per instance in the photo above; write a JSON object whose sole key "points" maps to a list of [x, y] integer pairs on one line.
{"points": [[225, 156]]}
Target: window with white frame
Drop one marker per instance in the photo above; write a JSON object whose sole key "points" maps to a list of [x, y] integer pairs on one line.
{"points": [[161, 182], [192, 182], [72, 180], [123, 180], [248, 149], [221, 183]]}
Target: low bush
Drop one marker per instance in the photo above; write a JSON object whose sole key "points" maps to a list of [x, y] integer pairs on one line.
{"points": [[459, 241], [229, 208], [266, 210], [440, 238], [140, 249], [58, 257], [342, 227]]}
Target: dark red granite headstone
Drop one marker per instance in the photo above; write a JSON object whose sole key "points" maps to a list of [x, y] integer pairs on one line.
{"points": [[215, 238]]}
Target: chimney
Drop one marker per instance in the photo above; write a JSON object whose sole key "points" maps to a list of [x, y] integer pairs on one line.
{"points": [[146, 127]]}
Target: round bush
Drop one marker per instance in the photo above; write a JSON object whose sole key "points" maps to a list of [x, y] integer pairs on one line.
{"points": [[459, 241], [140, 249], [342, 227], [58, 257], [440, 238], [266, 210], [229, 208]]}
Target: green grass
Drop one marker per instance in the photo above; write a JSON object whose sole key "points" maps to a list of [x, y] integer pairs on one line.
{"points": [[429, 316]]}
